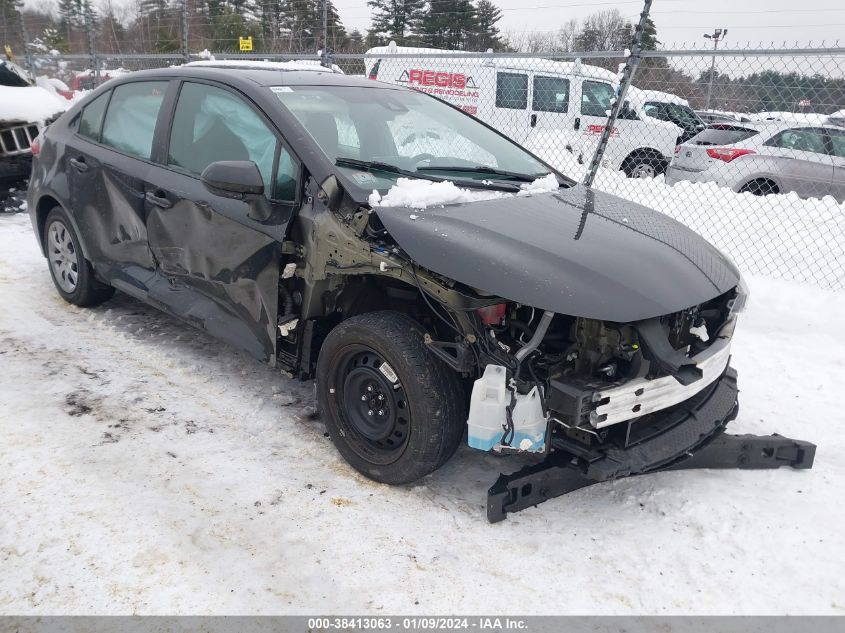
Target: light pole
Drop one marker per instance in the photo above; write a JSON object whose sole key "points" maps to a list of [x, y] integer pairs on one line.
{"points": [[717, 36]]}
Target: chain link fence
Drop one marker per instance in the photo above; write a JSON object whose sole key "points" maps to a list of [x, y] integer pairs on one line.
{"points": [[745, 146]]}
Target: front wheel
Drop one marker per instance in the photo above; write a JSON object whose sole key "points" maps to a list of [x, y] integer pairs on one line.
{"points": [[644, 166], [394, 411]]}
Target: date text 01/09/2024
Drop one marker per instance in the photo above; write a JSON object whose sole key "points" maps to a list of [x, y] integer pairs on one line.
{"points": [[416, 623]]}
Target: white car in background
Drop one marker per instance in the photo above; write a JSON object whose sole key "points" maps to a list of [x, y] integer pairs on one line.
{"points": [[548, 107], [763, 158]]}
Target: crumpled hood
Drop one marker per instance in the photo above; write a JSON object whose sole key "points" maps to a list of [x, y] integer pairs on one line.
{"points": [[578, 251]]}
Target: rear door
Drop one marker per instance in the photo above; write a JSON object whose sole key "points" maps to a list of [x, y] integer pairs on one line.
{"points": [[108, 163], [801, 161], [221, 265]]}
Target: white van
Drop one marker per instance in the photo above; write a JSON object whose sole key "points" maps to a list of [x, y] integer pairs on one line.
{"points": [[549, 107]]}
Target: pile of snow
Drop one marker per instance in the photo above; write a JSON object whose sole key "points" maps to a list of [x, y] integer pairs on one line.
{"points": [[421, 194], [266, 64], [30, 104], [782, 236], [149, 469]]}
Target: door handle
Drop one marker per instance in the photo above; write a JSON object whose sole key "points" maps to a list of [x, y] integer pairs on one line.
{"points": [[79, 164], [533, 120], [158, 199], [577, 123]]}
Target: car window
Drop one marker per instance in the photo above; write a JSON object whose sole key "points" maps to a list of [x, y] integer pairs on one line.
{"points": [[287, 174], [512, 91], [837, 140], [212, 124], [92, 117], [406, 129], [551, 94], [799, 139], [595, 98], [131, 117], [653, 110], [722, 134]]}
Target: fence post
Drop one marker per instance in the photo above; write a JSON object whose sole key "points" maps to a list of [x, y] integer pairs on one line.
{"points": [[627, 76], [27, 56], [89, 35], [324, 55], [183, 6]]}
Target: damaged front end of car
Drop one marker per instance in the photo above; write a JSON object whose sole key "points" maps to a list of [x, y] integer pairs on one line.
{"points": [[592, 334]]}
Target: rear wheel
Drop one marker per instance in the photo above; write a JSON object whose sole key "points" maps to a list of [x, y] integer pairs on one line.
{"points": [[71, 272], [395, 412], [761, 187]]}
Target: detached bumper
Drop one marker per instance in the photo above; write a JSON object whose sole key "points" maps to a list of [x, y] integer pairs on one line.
{"points": [[689, 435]]}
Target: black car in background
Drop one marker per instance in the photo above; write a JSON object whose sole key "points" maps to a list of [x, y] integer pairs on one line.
{"points": [[251, 204]]}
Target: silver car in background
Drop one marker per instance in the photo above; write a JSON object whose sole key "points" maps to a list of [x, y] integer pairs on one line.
{"points": [[764, 158]]}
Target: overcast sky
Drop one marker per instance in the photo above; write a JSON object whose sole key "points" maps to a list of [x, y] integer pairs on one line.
{"points": [[678, 21]]}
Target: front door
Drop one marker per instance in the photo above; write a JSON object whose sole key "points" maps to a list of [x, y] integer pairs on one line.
{"points": [[222, 266], [800, 161]]}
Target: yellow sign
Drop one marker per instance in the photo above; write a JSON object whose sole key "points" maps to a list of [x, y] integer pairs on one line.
{"points": [[246, 43], [9, 54]]}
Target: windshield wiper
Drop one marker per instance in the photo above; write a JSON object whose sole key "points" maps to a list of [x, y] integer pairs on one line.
{"points": [[374, 165], [484, 169]]}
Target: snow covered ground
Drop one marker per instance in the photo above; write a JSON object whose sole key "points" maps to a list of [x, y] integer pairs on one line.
{"points": [[146, 468]]}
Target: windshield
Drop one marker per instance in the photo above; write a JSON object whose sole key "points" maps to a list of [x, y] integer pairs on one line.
{"points": [[365, 131]]}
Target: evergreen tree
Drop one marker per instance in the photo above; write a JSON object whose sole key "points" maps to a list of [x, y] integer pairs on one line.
{"points": [[486, 35], [301, 26], [395, 20], [448, 24], [648, 40]]}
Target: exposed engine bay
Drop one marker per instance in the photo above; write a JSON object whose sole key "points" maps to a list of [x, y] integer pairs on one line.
{"points": [[592, 375]]}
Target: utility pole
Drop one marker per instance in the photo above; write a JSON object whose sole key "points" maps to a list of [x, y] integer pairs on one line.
{"points": [[26, 54], [324, 56], [717, 36]]}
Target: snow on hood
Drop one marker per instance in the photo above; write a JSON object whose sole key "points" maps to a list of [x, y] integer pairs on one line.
{"points": [[30, 104], [414, 193]]}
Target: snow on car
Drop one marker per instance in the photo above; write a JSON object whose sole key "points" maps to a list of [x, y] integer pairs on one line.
{"points": [[766, 158], [25, 110]]}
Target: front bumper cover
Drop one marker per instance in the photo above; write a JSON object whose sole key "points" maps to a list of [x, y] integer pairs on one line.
{"points": [[691, 436]]}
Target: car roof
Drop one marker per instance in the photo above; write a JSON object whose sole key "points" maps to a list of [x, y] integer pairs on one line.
{"points": [[542, 66], [237, 75]]}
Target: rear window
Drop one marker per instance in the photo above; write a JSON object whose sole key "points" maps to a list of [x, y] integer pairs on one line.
{"points": [[92, 117], [131, 117], [722, 135]]}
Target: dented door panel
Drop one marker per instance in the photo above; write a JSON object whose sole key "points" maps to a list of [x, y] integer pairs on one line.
{"points": [[222, 267], [107, 198]]}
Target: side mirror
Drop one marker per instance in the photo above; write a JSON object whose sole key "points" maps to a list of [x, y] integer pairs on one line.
{"points": [[239, 180]]}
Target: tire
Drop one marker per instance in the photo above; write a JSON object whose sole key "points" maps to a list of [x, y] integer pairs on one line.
{"points": [[71, 272], [759, 188], [644, 166], [394, 411]]}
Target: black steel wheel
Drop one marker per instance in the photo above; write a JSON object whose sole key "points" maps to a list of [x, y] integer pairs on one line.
{"points": [[394, 411]]}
